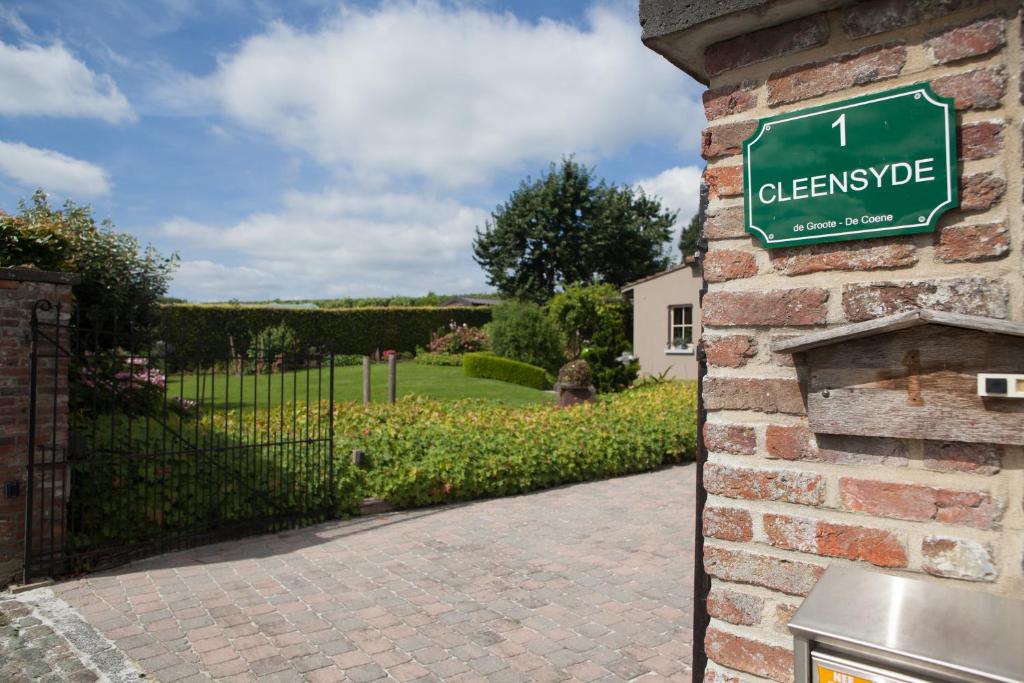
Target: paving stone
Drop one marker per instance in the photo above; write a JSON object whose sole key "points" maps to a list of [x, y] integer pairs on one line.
{"points": [[588, 582]]}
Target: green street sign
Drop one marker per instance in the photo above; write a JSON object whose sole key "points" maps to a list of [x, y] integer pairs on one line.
{"points": [[872, 166]]}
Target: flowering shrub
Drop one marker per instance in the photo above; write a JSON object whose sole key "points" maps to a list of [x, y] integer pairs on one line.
{"points": [[110, 380], [459, 339]]}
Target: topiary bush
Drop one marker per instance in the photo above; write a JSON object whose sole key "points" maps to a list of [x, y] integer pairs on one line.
{"points": [[522, 332], [575, 373], [490, 366]]}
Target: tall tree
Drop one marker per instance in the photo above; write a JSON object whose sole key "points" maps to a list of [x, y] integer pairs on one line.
{"points": [[568, 227], [689, 238]]}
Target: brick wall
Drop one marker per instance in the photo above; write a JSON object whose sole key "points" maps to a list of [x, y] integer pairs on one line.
{"points": [[19, 291], [784, 503]]}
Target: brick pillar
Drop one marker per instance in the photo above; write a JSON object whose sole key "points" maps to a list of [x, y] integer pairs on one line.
{"points": [[783, 502], [20, 289]]}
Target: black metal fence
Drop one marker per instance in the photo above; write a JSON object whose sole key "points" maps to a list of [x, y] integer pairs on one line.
{"points": [[136, 450]]}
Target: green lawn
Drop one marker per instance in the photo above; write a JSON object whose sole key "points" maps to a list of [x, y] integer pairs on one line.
{"points": [[439, 382]]}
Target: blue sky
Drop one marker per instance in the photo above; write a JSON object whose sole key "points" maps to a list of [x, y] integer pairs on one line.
{"points": [[323, 149]]}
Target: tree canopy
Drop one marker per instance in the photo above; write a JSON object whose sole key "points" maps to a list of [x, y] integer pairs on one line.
{"points": [[689, 238], [119, 278], [569, 227]]}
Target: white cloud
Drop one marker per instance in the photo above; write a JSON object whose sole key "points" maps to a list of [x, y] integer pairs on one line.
{"points": [[50, 81], [55, 172], [453, 95], [9, 16], [332, 244], [679, 190]]}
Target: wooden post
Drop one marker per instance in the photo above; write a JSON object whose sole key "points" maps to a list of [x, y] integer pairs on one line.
{"points": [[366, 380], [392, 377]]}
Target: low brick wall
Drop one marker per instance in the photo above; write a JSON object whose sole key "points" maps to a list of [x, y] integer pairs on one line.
{"points": [[20, 289]]}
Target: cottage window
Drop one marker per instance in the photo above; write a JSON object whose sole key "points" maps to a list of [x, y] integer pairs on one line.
{"points": [[680, 328]]}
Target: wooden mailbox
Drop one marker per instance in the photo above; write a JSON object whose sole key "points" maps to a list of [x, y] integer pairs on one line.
{"points": [[911, 375]]}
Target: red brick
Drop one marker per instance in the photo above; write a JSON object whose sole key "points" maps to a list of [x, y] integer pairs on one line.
{"points": [[978, 38], [919, 502], [958, 558], [838, 73], [773, 308], [731, 99], [728, 524], [959, 243], [724, 181], [981, 191], [794, 577], [713, 675], [958, 456], [877, 546], [767, 43], [729, 438], [878, 16], [723, 265], [734, 607], [752, 393], [732, 351], [980, 140], [978, 89], [726, 139], [790, 442], [749, 655], [971, 296], [724, 223], [806, 488], [855, 255]]}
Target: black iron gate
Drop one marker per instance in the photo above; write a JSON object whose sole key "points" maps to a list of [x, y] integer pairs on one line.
{"points": [[135, 449]]}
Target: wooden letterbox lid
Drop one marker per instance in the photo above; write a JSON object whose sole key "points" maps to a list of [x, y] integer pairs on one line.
{"points": [[911, 375], [892, 323]]}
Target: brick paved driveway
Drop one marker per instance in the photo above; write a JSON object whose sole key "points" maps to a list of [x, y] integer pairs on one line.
{"points": [[588, 582]]}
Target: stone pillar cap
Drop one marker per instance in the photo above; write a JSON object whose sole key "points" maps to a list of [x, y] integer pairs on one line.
{"points": [[680, 31], [36, 275]]}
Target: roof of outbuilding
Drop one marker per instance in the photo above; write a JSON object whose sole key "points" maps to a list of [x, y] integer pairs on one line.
{"points": [[689, 262]]}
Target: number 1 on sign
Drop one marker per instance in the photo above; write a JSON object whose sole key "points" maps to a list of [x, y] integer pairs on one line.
{"points": [[841, 122]]}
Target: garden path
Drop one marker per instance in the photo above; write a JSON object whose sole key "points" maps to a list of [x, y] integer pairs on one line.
{"points": [[586, 582]]}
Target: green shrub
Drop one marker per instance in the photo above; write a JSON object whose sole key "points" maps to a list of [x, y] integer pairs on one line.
{"points": [[120, 280], [490, 366], [522, 332], [422, 452], [594, 321], [163, 487], [424, 357], [203, 333], [276, 340], [348, 359]]}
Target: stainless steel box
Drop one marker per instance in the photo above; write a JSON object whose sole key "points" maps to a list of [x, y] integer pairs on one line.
{"points": [[857, 626]]}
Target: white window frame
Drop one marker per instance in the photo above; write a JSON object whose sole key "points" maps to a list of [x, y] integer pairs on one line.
{"points": [[670, 348]]}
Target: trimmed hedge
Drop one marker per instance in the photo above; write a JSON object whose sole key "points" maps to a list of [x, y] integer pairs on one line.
{"points": [[202, 332], [490, 366], [421, 452]]}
